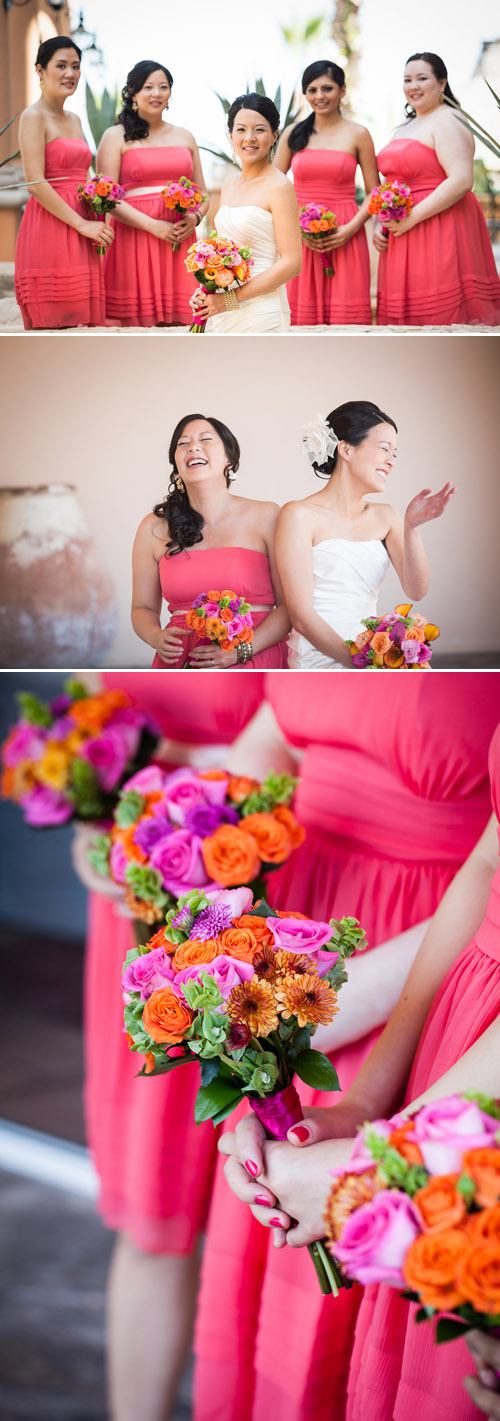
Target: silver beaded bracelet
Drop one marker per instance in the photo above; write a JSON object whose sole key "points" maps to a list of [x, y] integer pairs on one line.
{"points": [[244, 652], [231, 301]]}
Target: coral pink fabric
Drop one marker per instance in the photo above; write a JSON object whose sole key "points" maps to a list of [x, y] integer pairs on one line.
{"points": [[241, 570], [443, 272], [146, 281], [397, 1370], [58, 274], [154, 1164], [322, 175], [393, 794]]}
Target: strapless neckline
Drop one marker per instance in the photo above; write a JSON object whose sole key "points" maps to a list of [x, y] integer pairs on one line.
{"points": [[244, 207], [356, 541]]}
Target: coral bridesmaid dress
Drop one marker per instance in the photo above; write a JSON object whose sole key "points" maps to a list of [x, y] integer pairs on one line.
{"points": [[146, 281], [397, 1370], [58, 274], [441, 273], [241, 570], [393, 794], [322, 175], [154, 1164]]}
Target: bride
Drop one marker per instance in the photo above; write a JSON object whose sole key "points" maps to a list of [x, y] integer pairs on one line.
{"points": [[259, 210], [333, 549]]}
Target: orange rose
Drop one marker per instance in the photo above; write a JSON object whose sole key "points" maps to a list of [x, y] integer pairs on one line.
{"points": [[226, 614], [285, 913], [484, 1168], [478, 1276], [91, 713], [315, 225], [102, 189], [239, 788], [226, 645], [258, 927], [431, 1265], [486, 1226], [149, 1062], [125, 838], [414, 634], [7, 782], [241, 943], [165, 1017], [195, 950], [381, 643], [405, 1147], [213, 596], [294, 830], [225, 276], [230, 856], [362, 640], [440, 1205], [226, 592], [272, 838], [160, 940]]}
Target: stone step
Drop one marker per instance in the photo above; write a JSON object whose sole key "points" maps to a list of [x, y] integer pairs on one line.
{"points": [[6, 279]]}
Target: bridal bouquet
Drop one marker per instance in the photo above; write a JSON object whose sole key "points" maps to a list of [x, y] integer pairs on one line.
{"points": [[68, 759], [397, 642], [193, 831], [221, 617], [393, 201], [217, 263], [181, 198], [241, 988], [316, 220], [101, 194], [418, 1207]]}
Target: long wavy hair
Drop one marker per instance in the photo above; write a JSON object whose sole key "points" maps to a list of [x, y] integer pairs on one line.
{"points": [[185, 525], [134, 126], [301, 133]]}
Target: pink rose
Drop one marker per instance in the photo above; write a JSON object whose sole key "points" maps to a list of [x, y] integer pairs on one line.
{"points": [[147, 973], [179, 862], [376, 1237], [239, 900], [44, 807], [182, 790], [150, 780], [215, 790], [226, 971], [447, 1128], [118, 862], [108, 755], [25, 742], [299, 934], [235, 627], [211, 609]]}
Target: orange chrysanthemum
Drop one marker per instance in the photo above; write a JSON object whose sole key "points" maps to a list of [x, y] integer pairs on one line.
{"points": [[253, 1004], [348, 1193], [264, 962], [145, 909], [312, 1001], [295, 964]]}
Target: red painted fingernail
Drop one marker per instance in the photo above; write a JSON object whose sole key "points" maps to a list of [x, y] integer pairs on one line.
{"points": [[301, 1132], [251, 1167], [261, 1199], [277, 1224]]}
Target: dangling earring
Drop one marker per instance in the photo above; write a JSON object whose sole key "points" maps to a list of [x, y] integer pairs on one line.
{"points": [[135, 106], [179, 483], [231, 477], [441, 97], [234, 159]]}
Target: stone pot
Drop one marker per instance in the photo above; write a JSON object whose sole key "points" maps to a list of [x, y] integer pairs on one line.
{"points": [[57, 604]]}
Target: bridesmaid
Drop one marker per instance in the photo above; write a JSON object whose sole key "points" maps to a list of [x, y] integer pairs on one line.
{"points": [[58, 272], [323, 152], [436, 266], [237, 552], [393, 794], [146, 281], [443, 1037], [333, 548], [154, 1165]]}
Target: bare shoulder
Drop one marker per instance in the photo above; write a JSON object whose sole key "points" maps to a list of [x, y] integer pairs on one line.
{"points": [[152, 527], [32, 121], [187, 137], [297, 513], [448, 125], [358, 130], [386, 517], [114, 135]]}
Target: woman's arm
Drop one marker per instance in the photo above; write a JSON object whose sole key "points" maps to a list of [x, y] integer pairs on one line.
{"points": [[294, 560], [283, 155], [32, 144], [108, 161], [147, 598], [404, 544], [287, 230], [376, 980], [368, 164], [455, 153]]}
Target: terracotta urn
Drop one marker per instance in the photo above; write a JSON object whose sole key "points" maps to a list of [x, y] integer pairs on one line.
{"points": [[57, 604]]}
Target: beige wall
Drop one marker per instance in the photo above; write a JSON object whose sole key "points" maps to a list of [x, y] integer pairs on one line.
{"points": [[99, 412]]}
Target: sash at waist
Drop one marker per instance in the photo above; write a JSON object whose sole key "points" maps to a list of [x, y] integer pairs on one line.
{"points": [[325, 194], [252, 607], [344, 794]]}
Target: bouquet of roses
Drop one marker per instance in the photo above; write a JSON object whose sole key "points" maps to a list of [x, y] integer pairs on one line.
{"points": [[68, 759], [185, 830], [101, 194], [217, 263], [316, 220], [396, 642], [221, 617], [182, 197], [418, 1207], [393, 201], [242, 989]]}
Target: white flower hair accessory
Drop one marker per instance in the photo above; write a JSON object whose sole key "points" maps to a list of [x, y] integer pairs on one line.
{"points": [[318, 440]]}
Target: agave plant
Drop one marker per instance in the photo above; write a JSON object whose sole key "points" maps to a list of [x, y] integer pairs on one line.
{"points": [[11, 156], [258, 88], [473, 123], [101, 112]]}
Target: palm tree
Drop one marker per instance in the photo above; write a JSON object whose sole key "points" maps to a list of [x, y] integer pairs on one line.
{"points": [[347, 35]]}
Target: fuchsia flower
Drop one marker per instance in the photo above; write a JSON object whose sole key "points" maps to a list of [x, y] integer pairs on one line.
{"points": [[44, 807], [147, 973], [25, 742], [227, 973], [302, 935], [447, 1128], [376, 1237], [108, 754], [179, 862]]}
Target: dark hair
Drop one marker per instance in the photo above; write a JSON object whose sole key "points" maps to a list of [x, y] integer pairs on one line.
{"points": [[439, 70], [184, 523], [351, 422], [260, 104], [136, 127], [301, 133], [50, 47]]}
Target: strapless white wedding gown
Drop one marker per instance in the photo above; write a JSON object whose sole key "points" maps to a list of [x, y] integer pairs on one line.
{"points": [[252, 227], [346, 581]]}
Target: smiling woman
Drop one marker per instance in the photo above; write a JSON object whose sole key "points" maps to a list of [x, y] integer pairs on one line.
{"points": [[234, 538], [333, 549]]}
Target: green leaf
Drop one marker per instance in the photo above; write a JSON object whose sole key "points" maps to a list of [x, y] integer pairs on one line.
{"points": [[33, 710], [485, 1102], [316, 1070], [220, 1095], [76, 690], [263, 911], [466, 1186], [448, 1328], [209, 1070], [424, 1314], [129, 808], [98, 854]]}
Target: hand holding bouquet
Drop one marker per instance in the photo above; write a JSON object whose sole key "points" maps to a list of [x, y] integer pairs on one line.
{"points": [[101, 194], [392, 201], [217, 263], [68, 759], [183, 198], [221, 617], [316, 221], [418, 1207], [191, 831], [242, 989], [396, 642]]}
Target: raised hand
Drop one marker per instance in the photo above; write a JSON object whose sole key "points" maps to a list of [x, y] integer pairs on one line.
{"points": [[428, 505]]}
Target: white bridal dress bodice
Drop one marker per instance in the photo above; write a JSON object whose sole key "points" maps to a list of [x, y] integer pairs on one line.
{"points": [[346, 580], [252, 227]]}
